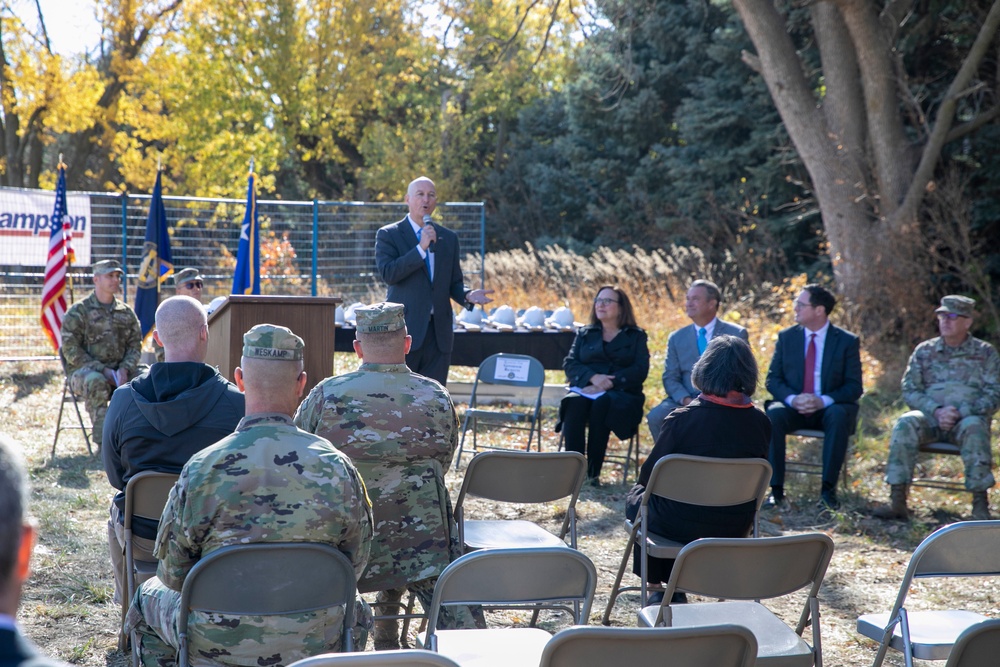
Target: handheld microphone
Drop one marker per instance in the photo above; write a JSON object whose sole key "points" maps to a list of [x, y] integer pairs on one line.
{"points": [[427, 221]]}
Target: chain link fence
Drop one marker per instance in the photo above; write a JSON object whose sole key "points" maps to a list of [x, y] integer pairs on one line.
{"points": [[308, 248]]}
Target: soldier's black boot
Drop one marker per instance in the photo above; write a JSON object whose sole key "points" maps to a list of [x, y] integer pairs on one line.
{"points": [[980, 506], [896, 509]]}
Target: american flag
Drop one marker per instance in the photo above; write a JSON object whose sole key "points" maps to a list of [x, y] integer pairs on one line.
{"points": [[60, 256]]}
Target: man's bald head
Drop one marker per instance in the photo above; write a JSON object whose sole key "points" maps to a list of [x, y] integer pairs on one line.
{"points": [[182, 329], [421, 198]]}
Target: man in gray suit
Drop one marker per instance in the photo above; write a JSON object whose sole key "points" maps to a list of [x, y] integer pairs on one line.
{"points": [[419, 261], [685, 345]]}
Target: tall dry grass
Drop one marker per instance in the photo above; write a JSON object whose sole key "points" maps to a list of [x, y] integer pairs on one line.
{"points": [[656, 282]]}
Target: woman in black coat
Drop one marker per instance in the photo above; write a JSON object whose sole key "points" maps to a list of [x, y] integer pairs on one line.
{"points": [[721, 422], [611, 356]]}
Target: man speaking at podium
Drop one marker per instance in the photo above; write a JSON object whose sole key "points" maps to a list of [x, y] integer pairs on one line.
{"points": [[418, 260]]}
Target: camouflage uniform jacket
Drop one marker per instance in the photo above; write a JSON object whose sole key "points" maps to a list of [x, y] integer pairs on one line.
{"points": [[96, 337], [401, 431], [267, 482], [966, 376]]}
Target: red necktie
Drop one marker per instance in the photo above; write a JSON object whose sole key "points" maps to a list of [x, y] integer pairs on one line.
{"points": [[808, 385]]}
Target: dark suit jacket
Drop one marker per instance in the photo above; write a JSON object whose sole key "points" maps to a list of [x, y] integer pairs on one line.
{"points": [[17, 651], [403, 269], [626, 357], [840, 375], [682, 355]]}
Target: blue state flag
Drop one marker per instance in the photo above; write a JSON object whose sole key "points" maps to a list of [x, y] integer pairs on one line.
{"points": [[246, 279], [157, 263]]}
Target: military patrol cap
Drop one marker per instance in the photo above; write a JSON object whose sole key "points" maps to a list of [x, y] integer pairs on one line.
{"points": [[380, 318], [106, 266], [269, 341], [186, 276], [955, 303]]}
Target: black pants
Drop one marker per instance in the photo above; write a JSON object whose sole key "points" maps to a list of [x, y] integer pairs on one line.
{"points": [[429, 360], [585, 426], [835, 422]]}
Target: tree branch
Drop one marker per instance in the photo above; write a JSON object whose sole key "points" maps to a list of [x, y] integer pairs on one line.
{"points": [[751, 60], [946, 115], [973, 125]]}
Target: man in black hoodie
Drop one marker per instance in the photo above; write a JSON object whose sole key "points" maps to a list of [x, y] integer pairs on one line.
{"points": [[161, 418]]}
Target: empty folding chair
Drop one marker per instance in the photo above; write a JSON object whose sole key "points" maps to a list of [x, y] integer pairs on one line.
{"points": [[977, 646], [711, 646], [965, 549], [520, 477], [548, 576], [741, 572], [404, 658], [522, 379]]}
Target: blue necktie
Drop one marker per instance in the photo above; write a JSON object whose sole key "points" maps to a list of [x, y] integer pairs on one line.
{"points": [[427, 257], [702, 340]]}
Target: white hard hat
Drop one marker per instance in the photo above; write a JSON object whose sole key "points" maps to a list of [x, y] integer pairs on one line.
{"points": [[349, 315], [214, 303], [532, 317], [503, 315], [474, 316], [338, 315], [562, 318]]}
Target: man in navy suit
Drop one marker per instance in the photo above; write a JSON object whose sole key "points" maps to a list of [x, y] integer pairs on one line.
{"points": [[419, 262], [16, 539], [685, 346], [825, 397]]}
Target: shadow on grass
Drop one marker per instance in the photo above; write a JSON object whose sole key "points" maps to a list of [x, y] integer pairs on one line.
{"points": [[72, 471]]}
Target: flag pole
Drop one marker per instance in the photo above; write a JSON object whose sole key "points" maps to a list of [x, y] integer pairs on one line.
{"points": [[69, 257]]}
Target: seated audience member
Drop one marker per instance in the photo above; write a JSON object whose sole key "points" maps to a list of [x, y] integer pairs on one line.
{"points": [[187, 282], [267, 482], [158, 420], [400, 430], [685, 345], [101, 342], [720, 422], [17, 537], [610, 360], [815, 378], [952, 385]]}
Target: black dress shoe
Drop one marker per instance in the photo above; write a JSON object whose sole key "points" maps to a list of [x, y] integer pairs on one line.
{"points": [[679, 598], [828, 500], [654, 598]]}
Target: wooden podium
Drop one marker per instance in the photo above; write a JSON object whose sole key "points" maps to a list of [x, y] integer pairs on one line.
{"points": [[311, 318]]}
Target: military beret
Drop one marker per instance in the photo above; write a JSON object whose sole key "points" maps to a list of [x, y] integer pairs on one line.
{"points": [[269, 341], [380, 318], [957, 304], [106, 266], [186, 276]]}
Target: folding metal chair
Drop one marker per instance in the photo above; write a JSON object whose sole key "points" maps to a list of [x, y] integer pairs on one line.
{"points": [[964, 549], [804, 467], [712, 646], [977, 646], [69, 394], [696, 480], [145, 497], [523, 379], [743, 571], [944, 448], [268, 579], [546, 576], [404, 658], [520, 477]]}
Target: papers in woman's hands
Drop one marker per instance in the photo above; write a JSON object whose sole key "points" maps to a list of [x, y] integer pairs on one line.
{"points": [[592, 394]]}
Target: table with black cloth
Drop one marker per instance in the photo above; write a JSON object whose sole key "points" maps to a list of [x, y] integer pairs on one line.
{"points": [[472, 347]]}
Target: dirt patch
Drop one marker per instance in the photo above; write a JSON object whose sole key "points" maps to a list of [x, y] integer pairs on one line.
{"points": [[68, 611]]}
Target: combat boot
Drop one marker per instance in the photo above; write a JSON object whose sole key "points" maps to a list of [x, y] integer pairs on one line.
{"points": [[896, 509], [980, 506], [386, 631]]}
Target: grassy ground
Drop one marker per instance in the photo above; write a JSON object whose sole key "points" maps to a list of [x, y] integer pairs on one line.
{"points": [[67, 607]]}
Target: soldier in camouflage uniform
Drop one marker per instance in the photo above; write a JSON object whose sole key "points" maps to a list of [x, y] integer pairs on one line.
{"points": [[101, 342], [267, 482], [953, 385], [400, 430]]}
